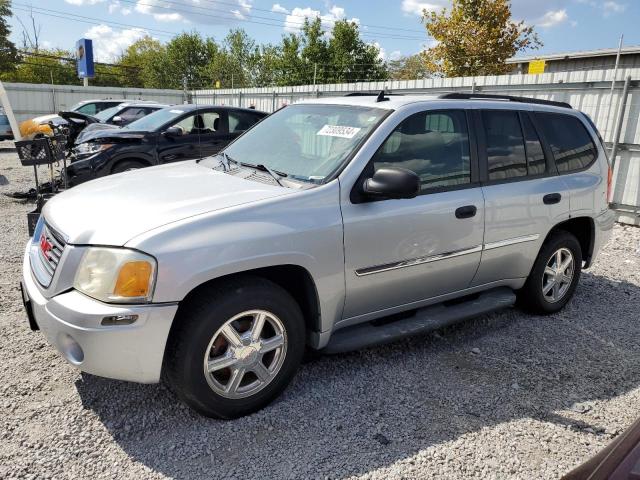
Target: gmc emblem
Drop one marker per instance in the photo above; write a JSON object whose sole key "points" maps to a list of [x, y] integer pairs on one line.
{"points": [[45, 246]]}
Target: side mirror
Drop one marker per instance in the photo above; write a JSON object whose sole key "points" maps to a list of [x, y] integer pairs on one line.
{"points": [[172, 132], [117, 119], [392, 183]]}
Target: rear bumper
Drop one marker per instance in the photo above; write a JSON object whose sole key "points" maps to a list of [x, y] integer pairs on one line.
{"points": [[71, 322], [603, 228]]}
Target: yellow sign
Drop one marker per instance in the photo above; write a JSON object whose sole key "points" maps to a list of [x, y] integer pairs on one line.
{"points": [[536, 66], [217, 83]]}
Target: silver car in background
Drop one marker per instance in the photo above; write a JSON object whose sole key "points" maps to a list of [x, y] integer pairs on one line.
{"points": [[321, 220]]}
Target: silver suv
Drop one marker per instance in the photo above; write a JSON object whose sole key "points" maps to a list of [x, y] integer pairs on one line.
{"points": [[333, 224]]}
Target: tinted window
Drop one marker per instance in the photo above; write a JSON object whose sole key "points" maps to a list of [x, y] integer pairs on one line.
{"points": [[536, 162], [569, 141], [134, 113], [199, 124], [240, 121], [506, 155], [88, 109], [435, 145]]}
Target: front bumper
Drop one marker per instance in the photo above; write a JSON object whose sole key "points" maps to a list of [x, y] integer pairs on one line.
{"points": [[71, 322]]}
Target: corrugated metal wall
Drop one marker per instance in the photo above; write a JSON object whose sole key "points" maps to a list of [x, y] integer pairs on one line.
{"points": [[586, 90], [32, 100]]}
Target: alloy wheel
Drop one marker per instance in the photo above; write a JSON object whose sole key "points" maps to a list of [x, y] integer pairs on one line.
{"points": [[558, 275], [245, 354]]}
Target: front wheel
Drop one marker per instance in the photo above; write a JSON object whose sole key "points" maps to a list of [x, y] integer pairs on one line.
{"points": [[554, 276], [236, 347]]}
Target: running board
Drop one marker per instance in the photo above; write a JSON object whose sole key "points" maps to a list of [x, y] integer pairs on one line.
{"points": [[379, 332]]}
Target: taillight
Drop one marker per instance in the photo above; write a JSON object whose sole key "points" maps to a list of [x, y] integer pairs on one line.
{"points": [[609, 185]]}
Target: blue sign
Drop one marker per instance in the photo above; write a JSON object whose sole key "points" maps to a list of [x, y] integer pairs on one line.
{"points": [[84, 57]]}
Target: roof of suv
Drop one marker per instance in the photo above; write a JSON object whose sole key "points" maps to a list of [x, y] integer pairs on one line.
{"points": [[393, 102]]}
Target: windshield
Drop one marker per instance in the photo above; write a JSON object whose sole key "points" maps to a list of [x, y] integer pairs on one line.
{"points": [[306, 141], [155, 120], [107, 114]]}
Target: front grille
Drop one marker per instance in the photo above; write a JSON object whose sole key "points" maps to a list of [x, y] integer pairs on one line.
{"points": [[50, 247]]}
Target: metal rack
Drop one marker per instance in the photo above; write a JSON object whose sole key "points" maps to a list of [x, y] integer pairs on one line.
{"points": [[43, 151]]}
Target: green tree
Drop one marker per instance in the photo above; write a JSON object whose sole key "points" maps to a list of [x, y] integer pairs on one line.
{"points": [[315, 50], [186, 58], [8, 53], [352, 59], [408, 68], [475, 37], [290, 64], [141, 64], [44, 66]]}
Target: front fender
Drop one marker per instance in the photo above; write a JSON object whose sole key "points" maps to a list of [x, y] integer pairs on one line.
{"points": [[303, 230]]}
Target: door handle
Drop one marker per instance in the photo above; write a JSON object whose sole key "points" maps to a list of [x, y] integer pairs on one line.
{"points": [[467, 211], [552, 198]]}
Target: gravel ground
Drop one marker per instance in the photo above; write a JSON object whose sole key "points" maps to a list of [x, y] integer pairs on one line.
{"points": [[504, 396]]}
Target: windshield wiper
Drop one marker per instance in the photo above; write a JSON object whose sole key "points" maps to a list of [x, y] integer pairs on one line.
{"points": [[226, 159], [277, 176]]}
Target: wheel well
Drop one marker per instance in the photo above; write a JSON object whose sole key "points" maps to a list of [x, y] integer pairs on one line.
{"points": [[583, 228], [131, 159], [294, 279]]}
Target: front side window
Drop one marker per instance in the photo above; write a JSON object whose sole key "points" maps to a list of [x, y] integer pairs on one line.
{"points": [[571, 145], [506, 156], [433, 144], [306, 141]]}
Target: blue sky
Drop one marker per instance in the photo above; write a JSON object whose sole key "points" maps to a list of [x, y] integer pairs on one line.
{"points": [[563, 25]]}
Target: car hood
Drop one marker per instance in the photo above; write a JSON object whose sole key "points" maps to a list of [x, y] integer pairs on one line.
{"points": [[114, 209], [90, 131], [108, 134]]}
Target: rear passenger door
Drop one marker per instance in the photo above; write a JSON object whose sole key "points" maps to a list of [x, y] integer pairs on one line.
{"points": [[524, 196], [402, 252]]}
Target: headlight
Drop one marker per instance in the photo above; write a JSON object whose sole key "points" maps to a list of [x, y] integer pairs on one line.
{"points": [[116, 275], [89, 148]]}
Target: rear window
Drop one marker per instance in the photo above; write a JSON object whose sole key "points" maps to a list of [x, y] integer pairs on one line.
{"points": [[570, 142]]}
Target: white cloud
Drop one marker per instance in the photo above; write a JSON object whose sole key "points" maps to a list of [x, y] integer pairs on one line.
{"points": [[612, 7], [416, 7], [109, 44], [116, 6], [195, 11], [552, 18], [279, 8], [295, 19], [84, 2]]}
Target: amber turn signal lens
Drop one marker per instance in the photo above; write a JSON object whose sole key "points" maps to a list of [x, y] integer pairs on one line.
{"points": [[133, 280]]}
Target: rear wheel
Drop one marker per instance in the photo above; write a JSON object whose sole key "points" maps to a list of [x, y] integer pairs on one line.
{"points": [[555, 274], [235, 347], [127, 165]]}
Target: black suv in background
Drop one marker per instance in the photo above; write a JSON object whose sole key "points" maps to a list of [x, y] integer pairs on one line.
{"points": [[180, 132]]}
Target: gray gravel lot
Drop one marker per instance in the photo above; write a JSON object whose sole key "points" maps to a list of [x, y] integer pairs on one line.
{"points": [[504, 396]]}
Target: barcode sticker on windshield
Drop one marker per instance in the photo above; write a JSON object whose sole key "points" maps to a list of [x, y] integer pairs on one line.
{"points": [[338, 131], [176, 111]]}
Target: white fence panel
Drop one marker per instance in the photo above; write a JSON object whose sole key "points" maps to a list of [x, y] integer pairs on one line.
{"points": [[32, 100]]}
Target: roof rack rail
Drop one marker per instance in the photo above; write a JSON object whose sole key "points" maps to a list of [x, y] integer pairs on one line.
{"points": [[510, 98], [371, 94]]}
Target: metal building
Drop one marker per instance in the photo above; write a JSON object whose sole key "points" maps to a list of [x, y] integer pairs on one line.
{"points": [[584, 60]]}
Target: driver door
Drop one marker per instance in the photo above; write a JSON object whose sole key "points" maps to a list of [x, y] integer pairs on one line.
{"points": [[183, 147], [400, 253]]}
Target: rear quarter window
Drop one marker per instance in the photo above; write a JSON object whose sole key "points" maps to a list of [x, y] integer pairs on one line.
{"points": [[570, 142]]}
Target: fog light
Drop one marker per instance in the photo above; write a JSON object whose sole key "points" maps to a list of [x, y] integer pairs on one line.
{"points": [[114, 320], [71, 349]]}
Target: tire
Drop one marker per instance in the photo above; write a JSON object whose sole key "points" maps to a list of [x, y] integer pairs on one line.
{"points": [[201, 336], [544, 293], [127, 165]]}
